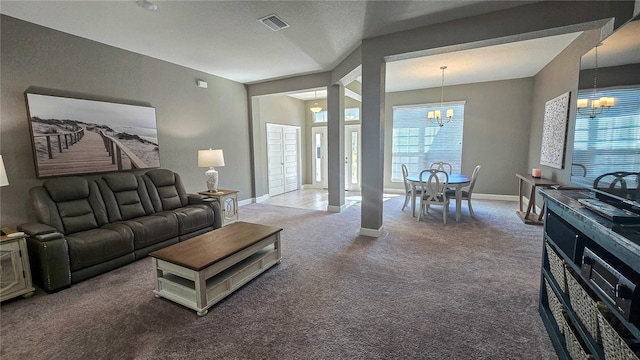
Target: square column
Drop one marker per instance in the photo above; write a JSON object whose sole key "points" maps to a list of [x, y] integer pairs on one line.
{"points": [[335, 144], [372, 125]]}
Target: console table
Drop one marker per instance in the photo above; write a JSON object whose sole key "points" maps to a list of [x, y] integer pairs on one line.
{"points": [[569, 298], [228, 200], [530, 216]]}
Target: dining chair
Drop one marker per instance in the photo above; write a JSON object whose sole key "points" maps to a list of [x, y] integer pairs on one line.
{"points": [[433, 184], [441, 165], [467, 190], [616, 183], [407, 187]]}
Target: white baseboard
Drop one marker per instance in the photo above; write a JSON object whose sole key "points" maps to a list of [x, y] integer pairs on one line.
{"points": [[393, 191], [475, 195], [312, 186], [494, 197], [371, 232], [262, 198], [336, 209], [246, 201]]}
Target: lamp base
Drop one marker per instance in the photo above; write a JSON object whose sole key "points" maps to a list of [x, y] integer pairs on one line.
{"points": [[212, 179]]}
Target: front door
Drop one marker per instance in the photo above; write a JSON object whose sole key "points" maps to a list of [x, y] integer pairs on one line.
{"points": [[282, 158], [319, 151], [352, 157]]}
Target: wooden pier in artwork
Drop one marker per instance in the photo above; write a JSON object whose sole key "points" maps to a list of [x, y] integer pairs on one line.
{"points": [[86, 152]]}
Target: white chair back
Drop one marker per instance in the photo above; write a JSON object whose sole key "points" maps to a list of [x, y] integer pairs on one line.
{"points": [[441, 165], [474, 176], [433, 184]]}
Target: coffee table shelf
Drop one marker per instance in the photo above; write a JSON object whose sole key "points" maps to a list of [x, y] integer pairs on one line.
{"points": [[200, 287]]}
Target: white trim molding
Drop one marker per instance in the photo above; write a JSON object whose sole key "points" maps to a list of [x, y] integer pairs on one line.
{"points": [[246, 201], [262, 198], [371, 232], [336, 209]]}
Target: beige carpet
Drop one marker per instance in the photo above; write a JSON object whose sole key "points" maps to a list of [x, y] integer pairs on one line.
{"points": [[465, 290]]}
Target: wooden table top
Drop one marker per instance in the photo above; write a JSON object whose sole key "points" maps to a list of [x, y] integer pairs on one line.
{"points": [[203, 250], [218, 193], [536, 181]]}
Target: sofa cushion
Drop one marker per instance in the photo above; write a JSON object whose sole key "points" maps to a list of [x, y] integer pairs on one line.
{"points": [[121, 181], [125, 196], [92, 247], [69, 204], [67, 189], [77, 216], [165, 189], [194, 217], [152, 229]]}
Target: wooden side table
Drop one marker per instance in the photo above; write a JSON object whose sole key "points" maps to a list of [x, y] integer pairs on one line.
{"points": [[228, 200], [530, 216], [15, 272]]}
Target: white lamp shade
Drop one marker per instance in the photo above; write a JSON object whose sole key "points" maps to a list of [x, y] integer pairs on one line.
{"points": [[449, 113], [210, 158], [3, 174], [582, 103], [315, 108]]}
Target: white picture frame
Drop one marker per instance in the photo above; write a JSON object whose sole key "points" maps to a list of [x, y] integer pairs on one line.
{"points": [[554, 131]]}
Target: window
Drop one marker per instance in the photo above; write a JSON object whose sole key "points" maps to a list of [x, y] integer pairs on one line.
{"points": [[352, 114], [610, 141], [320, 116], [417, 142]]}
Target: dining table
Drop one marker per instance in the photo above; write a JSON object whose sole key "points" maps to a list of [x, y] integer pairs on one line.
{"points": [[456, 181]]}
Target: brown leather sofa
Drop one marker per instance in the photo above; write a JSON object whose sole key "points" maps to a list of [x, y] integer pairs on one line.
{"points": [[88, 227]]}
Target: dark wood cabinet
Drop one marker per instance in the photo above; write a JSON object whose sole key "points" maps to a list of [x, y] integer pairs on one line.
{"points": [[581, 317]]}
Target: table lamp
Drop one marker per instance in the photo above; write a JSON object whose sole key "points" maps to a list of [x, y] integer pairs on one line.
{"points": [[3, 174], [211, 158], [3, 180]]}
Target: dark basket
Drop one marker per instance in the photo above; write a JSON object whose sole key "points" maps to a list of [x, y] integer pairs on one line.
{"points": [[574, 346], [583, 305], [555, 306], [556, 265], [615, 346]]}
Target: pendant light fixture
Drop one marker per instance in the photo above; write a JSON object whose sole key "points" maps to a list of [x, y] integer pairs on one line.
{"points": [[436, 116], [596, 106], [315, 108]]}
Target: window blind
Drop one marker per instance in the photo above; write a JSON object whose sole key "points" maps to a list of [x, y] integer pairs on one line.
{"points": [[417, 142], [611, 140]]}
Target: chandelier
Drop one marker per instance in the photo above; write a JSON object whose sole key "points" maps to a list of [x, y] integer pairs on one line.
{"points": [[315, 108], [594, 107], [436, 116]]}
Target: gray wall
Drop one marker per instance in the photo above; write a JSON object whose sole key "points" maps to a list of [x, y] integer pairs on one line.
{"points": [[276, 109], [496, 129], [559, 76], [188, 118]]}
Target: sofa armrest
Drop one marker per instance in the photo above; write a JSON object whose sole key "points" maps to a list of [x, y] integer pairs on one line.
{"points": [[48, 256], [40, 231], [212, 202]]}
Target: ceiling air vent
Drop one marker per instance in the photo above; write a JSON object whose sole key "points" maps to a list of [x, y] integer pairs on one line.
{"points": [[274, 22]]}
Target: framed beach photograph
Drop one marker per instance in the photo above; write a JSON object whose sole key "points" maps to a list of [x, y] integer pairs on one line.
{"points": [[78, 136]]}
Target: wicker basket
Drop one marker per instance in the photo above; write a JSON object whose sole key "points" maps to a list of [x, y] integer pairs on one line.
{"points": [[583, 305], [555, 306], [556, 265], [574, 347], [615, 347]]}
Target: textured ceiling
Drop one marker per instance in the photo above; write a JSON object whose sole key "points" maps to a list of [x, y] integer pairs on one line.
{"points": [[225, 38]]}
